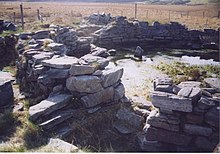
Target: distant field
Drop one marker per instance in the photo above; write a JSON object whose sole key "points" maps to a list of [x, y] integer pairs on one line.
{"points": [[195, 17]]}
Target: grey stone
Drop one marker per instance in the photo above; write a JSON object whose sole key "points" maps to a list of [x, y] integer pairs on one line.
{"points": [[49, 105], [57, 73], [61, 146], [164, 121], [56, 119], [111, 76], [197, 130], [163, 81], [41, 34], [101, 52], [165, 136], [44, 41], [139, 52], [193, 93], [60, 62], [57, 47], [98, 62], [84, 83], [194, 118], [34, 46], [81, 69], [6, 90], [212, 117], [142, 102], [142, 112], [130, 118], [112, 52], [190, 84], [164, 88], [123, 128], [205, 103], [104, 96], [204, 143], [119, 92], [42, 56], [18, 107], [171, 101], [185, 92], [213, 82]]}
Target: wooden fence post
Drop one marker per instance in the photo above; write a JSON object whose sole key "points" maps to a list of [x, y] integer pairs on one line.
{"points": [[38, 14], [14, 17], [218, 14], [135, 10], [22, 16]]}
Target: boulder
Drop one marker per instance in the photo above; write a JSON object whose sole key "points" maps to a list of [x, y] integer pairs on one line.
{"points": [[6, 91], [57, 73], [139, 52], [81, 70], [84, 84], [60, 62], [101, 52], [197, 130], [171, 102], [111, 76], [59, 145], [98, 62], [165, 136], [119, 92], [49, 105], [103, 96]]}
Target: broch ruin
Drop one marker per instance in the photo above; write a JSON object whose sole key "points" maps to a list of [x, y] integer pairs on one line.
{"points": [[65, 74]]}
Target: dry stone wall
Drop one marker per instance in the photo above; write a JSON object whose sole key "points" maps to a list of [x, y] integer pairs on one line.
{"points": [[121, 31]]}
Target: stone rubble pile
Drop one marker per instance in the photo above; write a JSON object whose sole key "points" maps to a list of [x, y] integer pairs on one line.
{"points": [[123, 32], [186, 118], [99, 19]]}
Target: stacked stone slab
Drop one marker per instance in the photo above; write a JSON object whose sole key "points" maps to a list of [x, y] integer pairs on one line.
{"points": [[186, 118], [121, 31]]}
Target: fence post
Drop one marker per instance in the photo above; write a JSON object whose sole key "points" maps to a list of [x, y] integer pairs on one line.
{"points": [[22, 16], [38, 14], [135, 10], [14, 17], [203, 14], [218, 14]]}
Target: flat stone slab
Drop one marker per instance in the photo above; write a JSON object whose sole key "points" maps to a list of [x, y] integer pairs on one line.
{"points": [[84, 84], [213, 82], [165, 136], [142, 102], [212, 116], [111, 76], [56, 144], [104, 96], [42, 56], [171, 102], [49, 105], [119, 92], [81, 70], [163, 121], [197, 130], [190, 84], [61, 62], [57, 118]]}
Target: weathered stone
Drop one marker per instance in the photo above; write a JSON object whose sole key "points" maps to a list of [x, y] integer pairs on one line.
{"points": [[171, 101], [164, 88], [41, 34], [189, 92], [6, 91], [84, 83], [81, 69], [101, 52], [61, 146], [123, 128], [57, 47], [103, 96], [185, 92], [112, 52], [42, 56], [142, 102], [34, 46], [212, 117], [111, 76], [95, 61], [130, 118], [49, 105], [142, 112], [197, 130], [213, 82], [164, 121], [205, 104], [190, 84], [18, 107], [139, 52], [60, 62], [44, 41], [119, 92], [194, 118], [204, 143], [162, 81], [57, 73], [206, 93], [56, 119], [167, 136]]}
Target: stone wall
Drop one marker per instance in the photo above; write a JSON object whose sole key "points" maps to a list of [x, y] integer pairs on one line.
{"points": [[123, 32]]}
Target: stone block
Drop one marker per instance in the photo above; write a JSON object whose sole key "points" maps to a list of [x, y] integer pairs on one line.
{"points": [[81, 70], [197, 130]]}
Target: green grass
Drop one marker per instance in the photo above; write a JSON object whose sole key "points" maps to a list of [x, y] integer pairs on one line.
{"points": [[11, 69], [182, 72], [6, 33]]}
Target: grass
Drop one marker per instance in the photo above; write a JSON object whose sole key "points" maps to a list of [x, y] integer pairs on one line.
{"points": [[182, 72], [10, 69], [6, 33]]}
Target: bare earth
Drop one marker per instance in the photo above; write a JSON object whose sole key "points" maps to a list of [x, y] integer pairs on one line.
{"points": [[194, 17]]}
